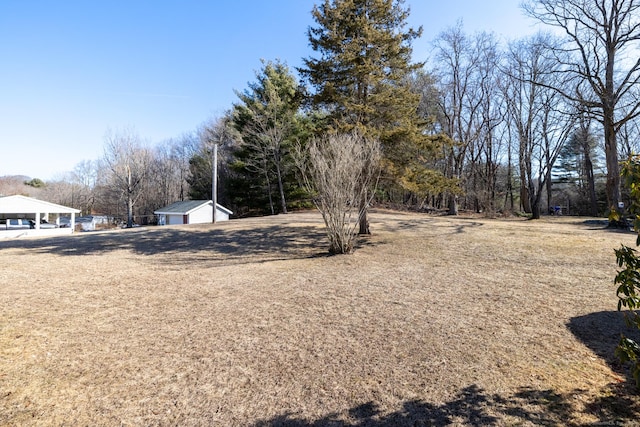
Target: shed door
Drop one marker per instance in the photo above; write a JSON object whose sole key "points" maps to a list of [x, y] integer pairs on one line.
{"points": [[185, 219]]}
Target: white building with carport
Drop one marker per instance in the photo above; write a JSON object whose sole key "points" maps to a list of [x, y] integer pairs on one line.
{"points": [[37, 211]]}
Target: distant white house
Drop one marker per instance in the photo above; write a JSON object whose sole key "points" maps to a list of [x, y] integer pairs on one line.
{"points": [[44, 217], [90, 222], [191, 212]]}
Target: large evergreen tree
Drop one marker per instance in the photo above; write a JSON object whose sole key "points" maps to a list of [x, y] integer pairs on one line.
{"points": [[360, 78], [267, 121]]}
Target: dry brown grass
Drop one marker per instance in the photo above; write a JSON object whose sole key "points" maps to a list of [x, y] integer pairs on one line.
{"points": [[433, 321]]}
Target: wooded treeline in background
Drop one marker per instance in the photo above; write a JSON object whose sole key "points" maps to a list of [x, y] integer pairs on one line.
{"points": [[535, 125]]}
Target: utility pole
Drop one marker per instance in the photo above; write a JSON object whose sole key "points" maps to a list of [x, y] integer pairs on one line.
{"points": [[214, 182]]}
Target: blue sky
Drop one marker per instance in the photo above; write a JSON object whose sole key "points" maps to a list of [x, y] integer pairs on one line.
{"points": [[72, 69]]}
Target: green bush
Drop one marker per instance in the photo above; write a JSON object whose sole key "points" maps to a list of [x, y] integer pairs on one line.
{"points": [[628, 279]]}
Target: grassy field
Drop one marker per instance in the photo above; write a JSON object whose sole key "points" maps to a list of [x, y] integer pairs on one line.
{"points": [[432, 321]]}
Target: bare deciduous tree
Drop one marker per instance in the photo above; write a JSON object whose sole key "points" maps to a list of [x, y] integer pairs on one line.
{"points": [[270, 128], [603, 70], [540, 118], [466, 71], [128, 162], [183, 150], [84, 178], [340, 170], [576, 165], [266, 119], [629, 139]]}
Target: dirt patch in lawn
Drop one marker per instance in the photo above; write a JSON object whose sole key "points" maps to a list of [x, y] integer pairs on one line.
{"points": [[432, 321]]}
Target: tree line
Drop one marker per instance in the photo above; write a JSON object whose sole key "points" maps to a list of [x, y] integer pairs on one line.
{"points": [[486, 126]]}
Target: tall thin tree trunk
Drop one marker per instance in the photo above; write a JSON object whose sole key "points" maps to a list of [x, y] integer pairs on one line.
{"points": [[477, 202], [524, 197], [508, 198], [452, 202], [181, 193], [129, 200], [613, 167], [590, 182], [525, 201], [609, 124], [364, 221], [129, 211], [549, 186], [266, 176], [283, 201]]}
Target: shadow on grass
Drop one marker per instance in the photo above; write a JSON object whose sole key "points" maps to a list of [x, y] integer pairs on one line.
{"points": [[472, 406], [617, 404], [425, 223], [601, 332], [277, 241], [269, 241]]}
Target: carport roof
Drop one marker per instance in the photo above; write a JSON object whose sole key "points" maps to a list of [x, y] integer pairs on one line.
{"points": [[23, 205]]}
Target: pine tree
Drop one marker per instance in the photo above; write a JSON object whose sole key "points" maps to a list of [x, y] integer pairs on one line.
{"points": [[361, 78], [266, 119]]}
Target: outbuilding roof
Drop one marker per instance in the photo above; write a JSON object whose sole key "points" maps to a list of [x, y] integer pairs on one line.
{"points": [[22, 205], [185, 207]]}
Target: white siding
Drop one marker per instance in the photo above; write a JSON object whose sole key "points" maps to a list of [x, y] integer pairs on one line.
{"points": [[221, 215], [201, 215]]}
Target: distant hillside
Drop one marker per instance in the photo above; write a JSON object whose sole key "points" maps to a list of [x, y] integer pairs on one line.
{"points": [[15, 184]]}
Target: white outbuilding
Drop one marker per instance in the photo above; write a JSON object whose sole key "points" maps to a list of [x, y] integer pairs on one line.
{"points": [[43, 217], [191, 212]]}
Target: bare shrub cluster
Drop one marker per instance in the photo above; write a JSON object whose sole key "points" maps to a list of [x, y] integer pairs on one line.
{"points": [[340, 171]]}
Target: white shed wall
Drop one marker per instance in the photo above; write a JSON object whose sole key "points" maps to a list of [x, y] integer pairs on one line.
{"points": [[201, 215], [221, 216]]}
